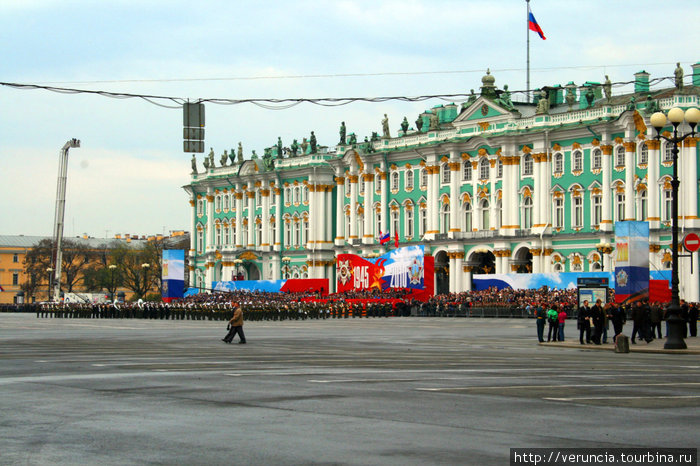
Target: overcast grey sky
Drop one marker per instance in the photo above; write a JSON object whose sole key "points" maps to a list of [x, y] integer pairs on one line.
{"points": [[127, 176]]}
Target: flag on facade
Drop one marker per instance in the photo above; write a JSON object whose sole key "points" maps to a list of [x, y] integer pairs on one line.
{"points": [[396, 239], [383, 239], [532, 24]]}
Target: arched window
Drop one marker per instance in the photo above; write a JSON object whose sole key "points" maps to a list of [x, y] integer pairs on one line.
{"points": [[347, 185], [642, 207], [597, 159], [577, 160], [423, 178], [226, 202], [620, 156], [558, 212], [620, 206], [422, 221], [484, 169], [558, 163], [361, 189], [408, 215], [499, 165], [527, 165], [305, 232], [287, 195], [200, 207], [347, 223], [305, 195], [643, 153], [466, 170], [527, 212], [577, 220], [258, 233], [499, 214], [394, 222], [227, 234], [297, 231], [596, 209], [484, 208], [200, 240], [297, 194], [667, 204], [467, 216], [445, 218], [287, 231], [394, 181], [218, 235], [217, 203], [409, 179]]}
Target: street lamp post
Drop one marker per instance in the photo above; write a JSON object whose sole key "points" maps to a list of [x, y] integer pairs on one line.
{"points": [[145, 266], [658, 121], [49, 270], [112, 288], [603, 249]]}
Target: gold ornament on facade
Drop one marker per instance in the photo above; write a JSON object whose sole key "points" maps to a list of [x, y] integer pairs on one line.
{"points": [[654, 247], [455, 166], [465, 156], [484, 125], [653, 144], [576, 145], [666, 257], [192, 203], [482, 152], [535, 252], [493, 162], [607, 149], [595, 142], [556, 146], [340, 180], [618, 140], [526, 149], [630, 146], [367, 177], [210, 198], [353, 178], [475, 164]]}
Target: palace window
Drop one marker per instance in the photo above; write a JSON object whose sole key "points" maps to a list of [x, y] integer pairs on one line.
{"points": [[347, 223], [305, 221], [15, 278], [445, 218], [233, 231], [559, 212], [484, 169], [15, 258], [394, 181], [499, 214], [423, 178], [200, 240], [642, 207], [296, 232], [287, 195], [467, 217], [466, 170], [620, 206], [394, 222], [361, 182], [668, 153], [409, 221], [226, 205], [597, 209], [297, 194], [287, 233], [258, 233], [643, 153], [217, 203], [499, 165], [620, 156], [527, 212], [258, 198], [200, 207], [347, 185], [422, 221], [227, 235], [577, 159], [305, 195], [409, 179], [527, 165], [484, 208], [597, 159], [667, 203], [445, 169], [577, 220], [558, 163]]}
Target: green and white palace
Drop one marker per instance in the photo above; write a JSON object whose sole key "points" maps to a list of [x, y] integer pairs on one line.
{"points": [[488, 186]]}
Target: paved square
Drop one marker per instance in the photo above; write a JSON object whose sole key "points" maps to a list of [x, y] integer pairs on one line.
{"points": [[351, 391]]}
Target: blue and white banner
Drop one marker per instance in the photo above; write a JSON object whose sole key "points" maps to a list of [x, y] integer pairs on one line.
{"points": [[173, 273], [632, 261], [533, 281]]}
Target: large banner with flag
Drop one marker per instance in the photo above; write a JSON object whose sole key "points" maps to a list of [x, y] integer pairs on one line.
{"points": [[173, 274], [398, 268], [632, 262]]}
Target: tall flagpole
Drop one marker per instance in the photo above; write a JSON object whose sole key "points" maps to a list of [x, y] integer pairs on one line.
{"points": [[527, 31]]}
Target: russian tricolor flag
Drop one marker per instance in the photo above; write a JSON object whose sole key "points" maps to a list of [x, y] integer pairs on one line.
{"points": [[383, 239], [532, 24]]}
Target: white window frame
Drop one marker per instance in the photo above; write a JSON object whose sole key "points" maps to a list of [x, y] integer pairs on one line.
{"points": [[445, 175], [576, 211], [558, 210], [408, 179], [484, 169], [409, 221], [577, 160], [467, 216], [467, 171], [558, 163], [527, 210], [596, 159], [620, 156], [394, 181], [423, 178], [620, 206], [596, 209], [484, 214], [643, 154], [528, 165]]}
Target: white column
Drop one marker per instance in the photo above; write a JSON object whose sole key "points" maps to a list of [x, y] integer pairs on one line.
{"points": [[433, 203], [251, 218], [458, 272], [340, 211], [210, 221], [239, 241], [455, 217], [493, 198], [652, 186], [690, 155], [279, 223], [368, 235], [538, 195], [320, 211], [536, 260], [353, 207], [606, 224], [384, 200], [510, 194], [310, 240], [329, 213], [265, 193], [453, 272], [467, 283], [476, 211], [193, 238], [630, 168]]}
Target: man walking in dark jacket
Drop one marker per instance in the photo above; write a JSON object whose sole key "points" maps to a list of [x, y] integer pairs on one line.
{"points": [[584, 322]]}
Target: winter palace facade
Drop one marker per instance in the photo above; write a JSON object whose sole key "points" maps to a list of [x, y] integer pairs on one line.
{"points": [[488, 186]]}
